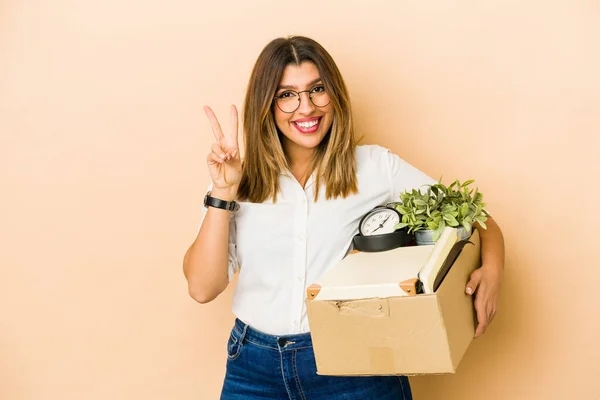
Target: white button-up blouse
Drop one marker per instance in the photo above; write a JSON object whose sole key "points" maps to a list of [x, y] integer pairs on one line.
{"points": [[282, 248]]}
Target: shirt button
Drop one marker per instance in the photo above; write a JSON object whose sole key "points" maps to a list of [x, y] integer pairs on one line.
{"points": [[299, 278], [301, 236]]}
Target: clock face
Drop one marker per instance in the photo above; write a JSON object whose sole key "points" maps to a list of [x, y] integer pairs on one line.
{"points": [[379, 221]]}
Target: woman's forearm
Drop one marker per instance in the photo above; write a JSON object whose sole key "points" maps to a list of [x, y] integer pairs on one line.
{"points": [[205, 264], [492, 245]]}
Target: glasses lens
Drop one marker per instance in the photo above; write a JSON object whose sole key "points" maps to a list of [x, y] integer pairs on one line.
{"points": [[288, 102], [320, 99]]}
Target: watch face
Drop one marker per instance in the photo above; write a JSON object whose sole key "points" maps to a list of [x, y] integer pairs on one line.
{"points": [[379, 221]]}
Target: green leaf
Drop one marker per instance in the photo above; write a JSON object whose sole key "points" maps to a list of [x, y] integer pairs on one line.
{"points": [[464, 209], [467, 183], [402, 210], [467, 226], [449, 218], [448, 208], [400, 225], [438, 232], [481, 220]]}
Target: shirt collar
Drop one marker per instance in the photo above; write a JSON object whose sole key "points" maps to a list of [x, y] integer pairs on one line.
{"points": [[309, 182]]}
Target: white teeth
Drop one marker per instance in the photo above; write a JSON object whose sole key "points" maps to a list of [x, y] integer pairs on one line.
{"points": [[307, 125]]}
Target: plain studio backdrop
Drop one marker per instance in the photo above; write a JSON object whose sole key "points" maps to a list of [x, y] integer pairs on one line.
{"points": [[103, 147]]}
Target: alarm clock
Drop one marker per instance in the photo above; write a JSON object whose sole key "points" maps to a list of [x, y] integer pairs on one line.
{"points": [[376, 230]]}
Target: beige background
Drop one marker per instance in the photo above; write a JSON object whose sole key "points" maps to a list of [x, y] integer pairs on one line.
{"points": [[102, 171]]}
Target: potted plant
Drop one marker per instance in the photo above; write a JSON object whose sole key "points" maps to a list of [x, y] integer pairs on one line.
{"points": [[427, 213]]}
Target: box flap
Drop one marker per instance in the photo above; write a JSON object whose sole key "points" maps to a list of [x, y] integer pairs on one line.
{"points": [[457, 306]]}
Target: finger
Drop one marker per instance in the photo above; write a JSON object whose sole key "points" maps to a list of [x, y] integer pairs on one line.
{"points": [[212, 159], [218, 151], [481, 328], [234, 125], [214, 123], [491, 312], [232, 154], [473, 284], [481, 320]]}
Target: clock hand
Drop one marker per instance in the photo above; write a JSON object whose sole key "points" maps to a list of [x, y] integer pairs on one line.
{"points": [[381, 225]]}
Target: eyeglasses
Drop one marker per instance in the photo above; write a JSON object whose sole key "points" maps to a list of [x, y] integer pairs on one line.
{"points": [[289, 101]]}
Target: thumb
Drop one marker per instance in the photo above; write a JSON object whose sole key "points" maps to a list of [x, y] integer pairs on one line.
{"points": [[473, 284]]}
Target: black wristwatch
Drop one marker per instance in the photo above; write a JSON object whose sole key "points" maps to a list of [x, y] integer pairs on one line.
{"points": [[218, 203]]}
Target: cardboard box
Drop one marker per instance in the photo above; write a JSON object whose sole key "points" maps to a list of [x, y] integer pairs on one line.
{"points": [[401, 334]]}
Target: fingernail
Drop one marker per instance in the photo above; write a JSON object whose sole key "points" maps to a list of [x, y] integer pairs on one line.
{"points": [[469, 290], [222, 156]]}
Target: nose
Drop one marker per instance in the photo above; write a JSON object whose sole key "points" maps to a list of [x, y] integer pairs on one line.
{"points": [[306, 106]]}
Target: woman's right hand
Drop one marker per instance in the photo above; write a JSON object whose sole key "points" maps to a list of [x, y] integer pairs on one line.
{"points": [[224, 163]]}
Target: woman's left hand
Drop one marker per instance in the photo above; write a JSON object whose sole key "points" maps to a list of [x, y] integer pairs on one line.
{"points": [[485, 286]]}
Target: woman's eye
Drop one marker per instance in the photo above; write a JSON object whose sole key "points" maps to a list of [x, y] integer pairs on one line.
{"points": [[318, 89], [287, 95]]}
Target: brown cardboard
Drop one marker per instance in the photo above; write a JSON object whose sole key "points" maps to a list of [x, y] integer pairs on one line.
{"points": [[404, 335]]}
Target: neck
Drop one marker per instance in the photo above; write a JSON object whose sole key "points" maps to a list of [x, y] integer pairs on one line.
{"points": [[299, 159]]}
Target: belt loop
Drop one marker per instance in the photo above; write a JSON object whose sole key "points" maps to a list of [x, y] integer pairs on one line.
{"points": [[244, 331]]}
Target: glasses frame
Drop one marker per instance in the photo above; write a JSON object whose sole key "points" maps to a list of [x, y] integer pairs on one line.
{"points": [[275, 98]]}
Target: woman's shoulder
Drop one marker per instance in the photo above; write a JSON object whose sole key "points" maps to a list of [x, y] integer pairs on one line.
{"points": [[378, 159], [373, 154], [370, 150]]}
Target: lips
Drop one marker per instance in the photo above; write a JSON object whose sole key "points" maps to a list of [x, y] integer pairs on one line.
{"points": [[307, 125]]}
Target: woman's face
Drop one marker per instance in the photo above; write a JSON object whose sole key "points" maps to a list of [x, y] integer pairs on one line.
{"points": [[304, 128]]}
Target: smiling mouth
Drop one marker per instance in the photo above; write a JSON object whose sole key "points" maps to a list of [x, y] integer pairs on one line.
{"points": [[308, 126]]}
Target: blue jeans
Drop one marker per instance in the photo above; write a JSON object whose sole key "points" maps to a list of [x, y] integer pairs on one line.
{"points": [[262, 366]]}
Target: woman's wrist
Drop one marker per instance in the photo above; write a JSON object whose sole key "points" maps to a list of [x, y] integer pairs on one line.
{"points": [[227, 194]]}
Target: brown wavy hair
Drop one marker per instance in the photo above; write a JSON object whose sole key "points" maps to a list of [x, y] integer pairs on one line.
{"points": [[334, 158]]}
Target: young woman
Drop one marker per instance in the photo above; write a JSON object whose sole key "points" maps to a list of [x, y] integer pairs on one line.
{"points": [[287, 213]]}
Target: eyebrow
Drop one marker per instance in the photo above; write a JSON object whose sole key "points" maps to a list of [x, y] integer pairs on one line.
{"points": [[295, 87]]}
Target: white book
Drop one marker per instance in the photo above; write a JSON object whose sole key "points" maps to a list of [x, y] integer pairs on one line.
{"points": [[430, 270]]}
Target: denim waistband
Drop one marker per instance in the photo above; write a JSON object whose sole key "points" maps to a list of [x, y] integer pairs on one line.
{"points": [[281, 342]]}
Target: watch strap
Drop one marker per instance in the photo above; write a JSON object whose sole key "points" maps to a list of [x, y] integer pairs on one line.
{"points": [[210, 201]]}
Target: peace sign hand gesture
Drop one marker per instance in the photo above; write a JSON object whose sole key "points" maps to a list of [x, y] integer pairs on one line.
{"points": [[224, 163]]}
